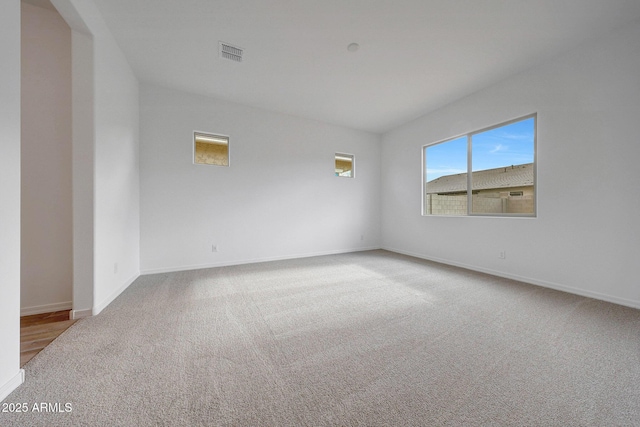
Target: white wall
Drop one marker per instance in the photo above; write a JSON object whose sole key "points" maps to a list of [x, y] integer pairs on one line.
{"points": [[278, 199], [586, 236], [11, 376], [117, 180], [46, 221], [83, 176], [112, 92]]}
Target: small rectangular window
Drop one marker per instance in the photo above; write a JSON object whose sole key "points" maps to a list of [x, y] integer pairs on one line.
{"points": [[210, 149], [491, 171], [344, 165]]}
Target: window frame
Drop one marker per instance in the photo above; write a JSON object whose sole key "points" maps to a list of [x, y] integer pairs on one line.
{"points": [[212, 135], [469, 190]]}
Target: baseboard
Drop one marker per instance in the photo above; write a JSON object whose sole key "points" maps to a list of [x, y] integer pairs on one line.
{"points": [[7, 388], [46, 308], [253, 261], [80, 314], [103, 304], [529, 280]]}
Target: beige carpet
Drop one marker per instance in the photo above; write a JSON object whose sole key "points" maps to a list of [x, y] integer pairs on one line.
{"points": [[363, 339]]}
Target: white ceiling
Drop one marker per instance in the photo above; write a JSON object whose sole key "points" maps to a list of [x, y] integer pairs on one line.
{"points": [[415, 55]]}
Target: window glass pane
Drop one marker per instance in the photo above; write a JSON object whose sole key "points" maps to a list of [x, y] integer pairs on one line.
{"points": [[502, 165], [211, 149], [344, 165], [446, 178]]}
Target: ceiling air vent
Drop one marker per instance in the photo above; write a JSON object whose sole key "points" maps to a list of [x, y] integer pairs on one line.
{"points": [[228, 51]]}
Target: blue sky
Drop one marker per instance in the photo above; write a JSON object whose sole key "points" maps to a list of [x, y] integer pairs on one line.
{"points": [[508, 145]]}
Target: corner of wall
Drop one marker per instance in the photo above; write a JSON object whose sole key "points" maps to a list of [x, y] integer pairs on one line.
{"points": [[97, 309], [7, 388]]}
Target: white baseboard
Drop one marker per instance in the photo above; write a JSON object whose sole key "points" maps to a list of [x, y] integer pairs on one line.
{"points": [[103, 304], [80, 314], [531, 281], [7, 388], [46, 308], [252, 261]]}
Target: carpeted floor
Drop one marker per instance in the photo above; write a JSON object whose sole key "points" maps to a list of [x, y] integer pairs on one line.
{"points": [[369, 339]]}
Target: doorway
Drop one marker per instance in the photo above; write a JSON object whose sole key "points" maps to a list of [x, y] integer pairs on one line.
{"points": [[46, 167]]}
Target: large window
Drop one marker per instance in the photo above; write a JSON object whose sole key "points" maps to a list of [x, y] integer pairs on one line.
{"points": [[491, 171]]}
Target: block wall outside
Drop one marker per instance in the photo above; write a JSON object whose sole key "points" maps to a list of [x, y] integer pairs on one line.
{"points": [[436, 204], [520, 204], [489, 204], [212, 154]]}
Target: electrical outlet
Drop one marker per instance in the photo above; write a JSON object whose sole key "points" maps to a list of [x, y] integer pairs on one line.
{"points": [[115, 268], [214, 248], [362, 237], [502, 255]]}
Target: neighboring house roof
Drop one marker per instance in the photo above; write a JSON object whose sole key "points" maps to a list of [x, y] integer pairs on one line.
{"points": [[504, 177]]}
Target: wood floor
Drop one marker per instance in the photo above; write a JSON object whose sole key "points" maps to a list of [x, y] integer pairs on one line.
{"points": [[39, 330]]}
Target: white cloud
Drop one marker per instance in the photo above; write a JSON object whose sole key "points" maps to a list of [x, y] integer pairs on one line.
{"points": [[516, 136], [499, 147]]}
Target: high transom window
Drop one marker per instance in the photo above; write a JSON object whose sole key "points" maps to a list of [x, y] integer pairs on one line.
{"points": [[344, 165], [210, 149]]}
